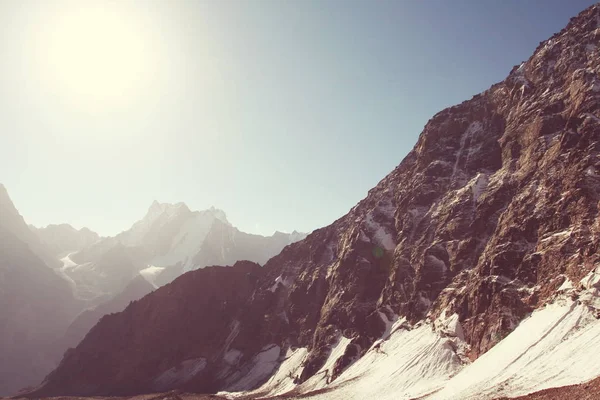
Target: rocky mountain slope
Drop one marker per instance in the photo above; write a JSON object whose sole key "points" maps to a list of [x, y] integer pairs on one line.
{"points": [[137, 288], [493, 215], [36, 305]]}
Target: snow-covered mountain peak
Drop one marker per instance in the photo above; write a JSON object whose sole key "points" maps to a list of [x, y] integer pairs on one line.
{"points": [[219, 214], [157, 209]]}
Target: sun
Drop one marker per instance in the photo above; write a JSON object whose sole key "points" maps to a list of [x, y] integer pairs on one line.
{"points": [[95, 55]]}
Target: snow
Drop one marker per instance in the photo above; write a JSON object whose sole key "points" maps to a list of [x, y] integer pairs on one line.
{"points": [[187, 242], [260, 368], [380, 233], [592, 279], [62, 271], [287, 282], [151, 273], [67, 262], [232, 356], [412, 363], [556, 345], [474, 128], [449, 325], [322, 377], [388, 324], [566, 285], [558, 235], [283, 379], [479, 183], [179, 374]]}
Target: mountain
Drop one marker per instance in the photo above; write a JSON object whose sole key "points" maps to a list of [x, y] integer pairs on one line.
{"points": [[41, 295], [13, 222], [170, 240], [137, 288], [63, 238], [37, 305], [471, 270]]}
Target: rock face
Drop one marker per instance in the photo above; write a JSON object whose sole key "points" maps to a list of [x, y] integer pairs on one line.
{"points": [[494, 208], [36, 304]]}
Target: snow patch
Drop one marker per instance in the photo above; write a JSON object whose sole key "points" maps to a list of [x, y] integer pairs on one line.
{"points": [[566, 285], [479, 183], [380, 233], [151, 273], [558, 235], [260, 368], [232, 356], [474, 128], [287, 282], [322, 378]]}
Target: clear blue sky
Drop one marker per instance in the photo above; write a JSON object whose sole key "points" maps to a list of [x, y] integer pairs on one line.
{"points": [[282, 113]]}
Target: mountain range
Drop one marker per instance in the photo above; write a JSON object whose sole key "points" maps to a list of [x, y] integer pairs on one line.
{"points": [[57, 282], [470, 271]]}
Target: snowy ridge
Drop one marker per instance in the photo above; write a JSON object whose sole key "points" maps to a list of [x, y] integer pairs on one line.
{"points": [[556, 346]]}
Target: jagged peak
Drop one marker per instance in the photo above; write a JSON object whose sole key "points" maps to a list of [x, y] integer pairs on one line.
{"points": [[156, 209], [218, 213]]}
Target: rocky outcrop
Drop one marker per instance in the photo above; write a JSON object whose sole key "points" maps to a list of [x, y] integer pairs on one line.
{"points": [[493, 209]]}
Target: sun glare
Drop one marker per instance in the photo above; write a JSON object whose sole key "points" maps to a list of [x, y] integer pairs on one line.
{"points": [[96, 56]]}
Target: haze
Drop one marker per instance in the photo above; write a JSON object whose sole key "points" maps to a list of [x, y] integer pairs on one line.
{"points": [[283, 114]]}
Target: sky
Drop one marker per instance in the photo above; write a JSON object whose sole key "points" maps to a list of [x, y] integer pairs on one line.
{"points": [[282, 113]]}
